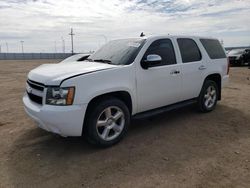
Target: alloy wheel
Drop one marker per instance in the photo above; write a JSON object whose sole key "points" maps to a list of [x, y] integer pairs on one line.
{"points": [[110, 123]]}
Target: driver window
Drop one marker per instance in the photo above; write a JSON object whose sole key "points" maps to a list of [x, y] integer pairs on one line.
{"points": [[163, 48]]}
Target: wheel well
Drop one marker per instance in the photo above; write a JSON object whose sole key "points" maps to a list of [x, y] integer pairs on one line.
{"points": [[122, 95], [217, 79]]}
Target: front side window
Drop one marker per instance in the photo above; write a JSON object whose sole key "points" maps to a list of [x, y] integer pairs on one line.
{"points": [[163, 48], [189, 50]]}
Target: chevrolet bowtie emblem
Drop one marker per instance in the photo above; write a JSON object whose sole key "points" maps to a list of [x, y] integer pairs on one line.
{"points": [[29, 89]]}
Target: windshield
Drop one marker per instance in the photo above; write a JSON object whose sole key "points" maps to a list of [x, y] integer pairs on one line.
{"points": [[118, 52], [236, 52]]}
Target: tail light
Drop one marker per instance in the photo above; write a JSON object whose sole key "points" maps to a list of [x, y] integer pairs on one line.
{"points": [[228, 66]]}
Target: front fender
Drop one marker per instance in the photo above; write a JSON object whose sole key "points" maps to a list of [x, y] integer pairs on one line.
{"points": [[91, 85]]}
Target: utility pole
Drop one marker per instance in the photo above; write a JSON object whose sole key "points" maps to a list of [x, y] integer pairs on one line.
{"points": [[7, 47], [72, 41], [63, 45], [22, 45], [0, 48]]}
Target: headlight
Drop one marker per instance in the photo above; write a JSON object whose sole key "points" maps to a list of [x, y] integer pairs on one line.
{"points": [[60, 96]]}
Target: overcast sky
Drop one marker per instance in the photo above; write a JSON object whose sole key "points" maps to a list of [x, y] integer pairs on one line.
{"points": [[42, 23]]}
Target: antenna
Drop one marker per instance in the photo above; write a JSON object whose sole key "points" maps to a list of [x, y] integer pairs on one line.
{"points": [[72, 41]]}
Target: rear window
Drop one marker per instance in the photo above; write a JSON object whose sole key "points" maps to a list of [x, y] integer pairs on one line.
{"points": [[213, 48], [189, 50]]}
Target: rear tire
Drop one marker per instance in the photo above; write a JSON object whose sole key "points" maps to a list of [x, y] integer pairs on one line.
{"points": [[107, 122], [208, 97]]}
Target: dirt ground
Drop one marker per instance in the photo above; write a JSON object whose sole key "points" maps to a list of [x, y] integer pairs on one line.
{"points": [[182, 148]]}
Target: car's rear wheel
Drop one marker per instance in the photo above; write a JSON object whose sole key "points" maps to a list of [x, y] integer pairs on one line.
{"points": [[208, 97], [107, 122]]}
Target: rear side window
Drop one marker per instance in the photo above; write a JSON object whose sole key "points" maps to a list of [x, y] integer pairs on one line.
{"points": [[189, 50], [213, 48]]}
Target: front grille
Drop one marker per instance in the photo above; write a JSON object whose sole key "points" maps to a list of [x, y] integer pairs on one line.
{"points": [[232, 58], [35, 91], [36, 85], [35, 98]]}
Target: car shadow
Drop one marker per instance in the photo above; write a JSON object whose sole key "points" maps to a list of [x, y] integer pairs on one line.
{"points": [[176, 137]]}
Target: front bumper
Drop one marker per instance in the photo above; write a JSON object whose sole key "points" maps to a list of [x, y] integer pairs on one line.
{"points": [[225, 80], [62, 120]]}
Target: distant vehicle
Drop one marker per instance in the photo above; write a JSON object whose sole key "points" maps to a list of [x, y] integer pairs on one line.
{"points": [[125, 78], [239, 57], [76, 57], [227, 51]]}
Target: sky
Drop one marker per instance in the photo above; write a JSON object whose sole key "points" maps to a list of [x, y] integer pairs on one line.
{"points": [[43, 25]]}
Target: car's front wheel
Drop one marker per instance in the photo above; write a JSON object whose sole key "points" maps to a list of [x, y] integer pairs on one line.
{"points": [[208, 97], [107, 122]]}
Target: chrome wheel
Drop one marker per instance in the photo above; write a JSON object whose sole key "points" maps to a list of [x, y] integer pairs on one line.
{"points": [[110, 123], [210, 97]]}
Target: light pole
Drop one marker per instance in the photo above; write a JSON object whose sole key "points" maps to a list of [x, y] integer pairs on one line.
{"points": [[22, 45], [72, 41], [7, 47], [55, 48], [222, 42], [63, 45]]}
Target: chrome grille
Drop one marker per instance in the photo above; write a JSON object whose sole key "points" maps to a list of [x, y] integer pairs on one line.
{"points": [[35, 91]]}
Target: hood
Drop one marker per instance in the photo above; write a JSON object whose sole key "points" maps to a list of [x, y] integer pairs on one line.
{"points": [[53, 74]]}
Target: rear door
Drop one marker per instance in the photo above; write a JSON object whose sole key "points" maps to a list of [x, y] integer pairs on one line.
{"points": [[193, 67]]}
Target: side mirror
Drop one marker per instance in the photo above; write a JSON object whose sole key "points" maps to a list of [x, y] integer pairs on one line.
{"points": [[151, 60]]}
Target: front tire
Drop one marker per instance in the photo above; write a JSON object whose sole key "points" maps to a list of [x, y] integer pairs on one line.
{"points": [[208, 97], [107, 122]]}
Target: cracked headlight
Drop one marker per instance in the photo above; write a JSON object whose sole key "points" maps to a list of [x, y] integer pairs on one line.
{"points": [[60, 96]]}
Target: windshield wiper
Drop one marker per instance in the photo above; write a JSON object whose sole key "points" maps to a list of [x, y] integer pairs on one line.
{"points": [[103, 61]]}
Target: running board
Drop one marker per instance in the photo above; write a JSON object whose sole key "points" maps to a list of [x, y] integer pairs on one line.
{"points": [[164, 109]]}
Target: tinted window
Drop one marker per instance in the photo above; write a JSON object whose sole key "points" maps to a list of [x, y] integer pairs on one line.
{"points": [[189, 50], [163, 48], [213, 48]]}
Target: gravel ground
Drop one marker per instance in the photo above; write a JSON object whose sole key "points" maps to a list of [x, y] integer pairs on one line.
{"points": [[182, 148]]}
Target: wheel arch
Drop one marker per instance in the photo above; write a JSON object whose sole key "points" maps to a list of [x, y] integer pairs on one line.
{"points": [[216, 77], [121, 95]]}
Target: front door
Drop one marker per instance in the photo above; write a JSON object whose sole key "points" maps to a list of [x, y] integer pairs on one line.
{"points": [[160, 84]]}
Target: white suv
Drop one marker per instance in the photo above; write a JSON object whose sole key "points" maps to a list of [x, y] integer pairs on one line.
{"points": [[97, 97]]}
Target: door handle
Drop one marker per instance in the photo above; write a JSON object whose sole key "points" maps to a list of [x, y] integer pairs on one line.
{"points": [[175, 72], [202, 67]]}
